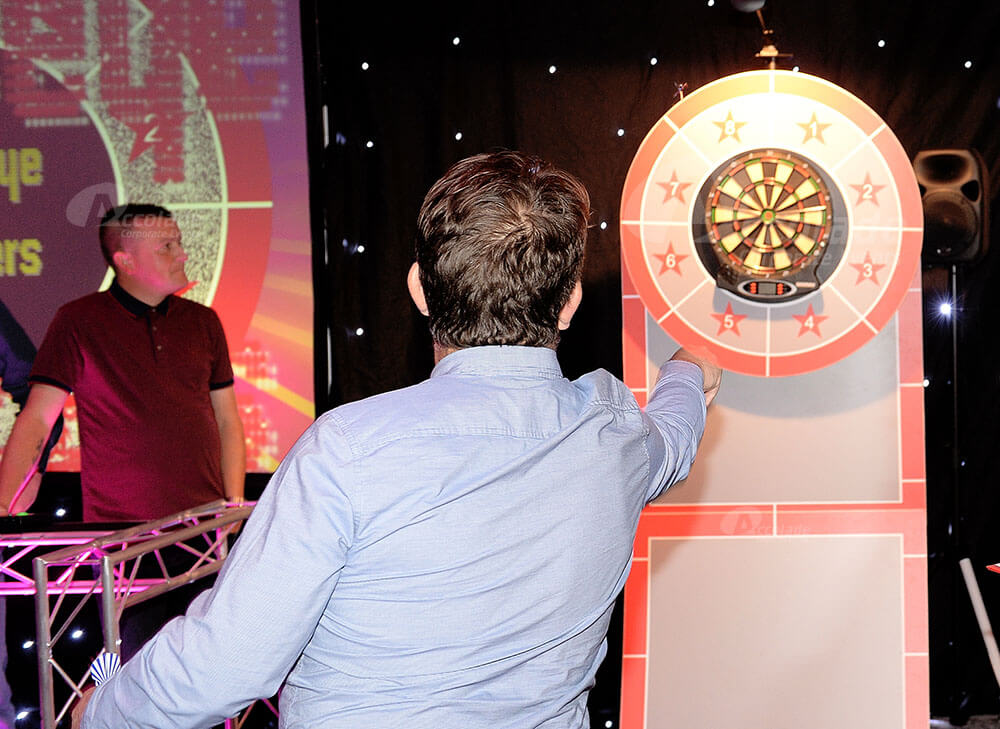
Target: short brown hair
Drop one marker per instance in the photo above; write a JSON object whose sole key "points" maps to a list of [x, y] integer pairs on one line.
{"points": [[500, 246], [116, 218]]}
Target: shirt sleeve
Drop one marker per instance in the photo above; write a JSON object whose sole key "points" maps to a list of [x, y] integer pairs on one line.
{"points": [[675, 416], [59, 361], [239, 640], [222, 368]]}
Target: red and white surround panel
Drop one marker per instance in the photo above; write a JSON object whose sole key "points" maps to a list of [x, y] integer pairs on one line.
{"points": [[774, 219]]}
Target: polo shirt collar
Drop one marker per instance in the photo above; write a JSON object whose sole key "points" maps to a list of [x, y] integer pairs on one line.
{"points": [[133, 305]]}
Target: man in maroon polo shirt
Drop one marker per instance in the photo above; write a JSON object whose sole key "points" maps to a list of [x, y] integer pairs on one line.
{"points": [[159, 427]]}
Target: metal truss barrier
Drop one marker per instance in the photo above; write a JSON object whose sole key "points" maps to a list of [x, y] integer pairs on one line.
{"points": [[105, 566]]}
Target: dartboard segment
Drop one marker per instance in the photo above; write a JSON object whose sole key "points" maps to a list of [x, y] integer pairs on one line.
{"points": [[812, 325], [867, 268], [727, 128], [811, 129], [673, 182], [650, 151], [675, 266]]}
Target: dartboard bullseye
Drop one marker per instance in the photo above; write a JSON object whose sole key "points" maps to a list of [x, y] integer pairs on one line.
{"points": [[804, 233]]}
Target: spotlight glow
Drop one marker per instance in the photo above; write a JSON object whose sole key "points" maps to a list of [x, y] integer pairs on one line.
{"points": [[621, 132], [456, 40], [360, 248], [458, 136], [76, 634], [365, 66], [369, 144], [881, 44], [552, 69], [28, 645], [22, 715], [968, 64], [60, 511], [652, 61], [604, 225], [360, 331], [945, 308]]}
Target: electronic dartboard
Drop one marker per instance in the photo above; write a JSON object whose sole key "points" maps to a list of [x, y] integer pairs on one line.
{"points": [[774, 218]]}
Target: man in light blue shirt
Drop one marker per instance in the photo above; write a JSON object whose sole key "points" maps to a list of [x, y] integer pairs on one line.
{"points": [[445, 555]]}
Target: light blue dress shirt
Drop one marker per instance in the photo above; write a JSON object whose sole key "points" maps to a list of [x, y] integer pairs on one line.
{"points": [[445, 556]]}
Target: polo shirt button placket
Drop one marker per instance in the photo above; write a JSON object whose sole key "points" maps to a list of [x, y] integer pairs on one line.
{"points": [[150, 319]]}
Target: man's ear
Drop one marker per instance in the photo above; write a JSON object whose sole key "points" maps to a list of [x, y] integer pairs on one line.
{"points": [[123, 261], [416, 288], [566, 315]]}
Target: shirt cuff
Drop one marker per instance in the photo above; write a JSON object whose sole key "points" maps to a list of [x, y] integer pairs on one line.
{"points": [[678, 369]]}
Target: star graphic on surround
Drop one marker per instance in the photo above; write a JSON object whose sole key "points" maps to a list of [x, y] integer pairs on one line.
{"points": [[670, 261], [813, 129], [810, 321], [675, 189], [729, 127], [728, 321], [867, 190], [867, 271]]}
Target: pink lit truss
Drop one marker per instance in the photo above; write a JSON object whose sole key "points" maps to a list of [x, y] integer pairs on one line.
{"points": [[105, 565]]}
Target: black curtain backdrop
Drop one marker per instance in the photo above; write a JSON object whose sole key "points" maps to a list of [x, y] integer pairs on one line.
{"points": [[390, 90]]}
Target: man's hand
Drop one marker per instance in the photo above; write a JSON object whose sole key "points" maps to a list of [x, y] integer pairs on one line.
{"points": [[711, 373], [81, 706]]}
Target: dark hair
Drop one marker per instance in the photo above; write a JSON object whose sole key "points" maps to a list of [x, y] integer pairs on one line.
{"points": [[500, 244], [122, 216]]}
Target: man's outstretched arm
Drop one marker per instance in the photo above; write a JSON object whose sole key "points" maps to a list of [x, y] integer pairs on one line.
{"points": [[19, 468], [675, 412]]}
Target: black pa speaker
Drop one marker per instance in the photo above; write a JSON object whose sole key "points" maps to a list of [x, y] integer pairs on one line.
{"points": [[955, 195]]}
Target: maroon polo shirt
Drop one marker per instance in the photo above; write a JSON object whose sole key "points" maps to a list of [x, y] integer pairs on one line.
{"points": [[149, 441]]}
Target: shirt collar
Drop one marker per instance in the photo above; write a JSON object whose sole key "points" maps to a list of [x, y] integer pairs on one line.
{"points": [[133, 305], [501, 360]]}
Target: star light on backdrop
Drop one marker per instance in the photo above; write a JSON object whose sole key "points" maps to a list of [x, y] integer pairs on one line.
{"points": [[727, 127]]}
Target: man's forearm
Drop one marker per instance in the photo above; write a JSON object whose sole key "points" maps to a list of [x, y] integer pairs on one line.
{"points": [[234, 450], [24, 448], [234, 459], [20, 464]]}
